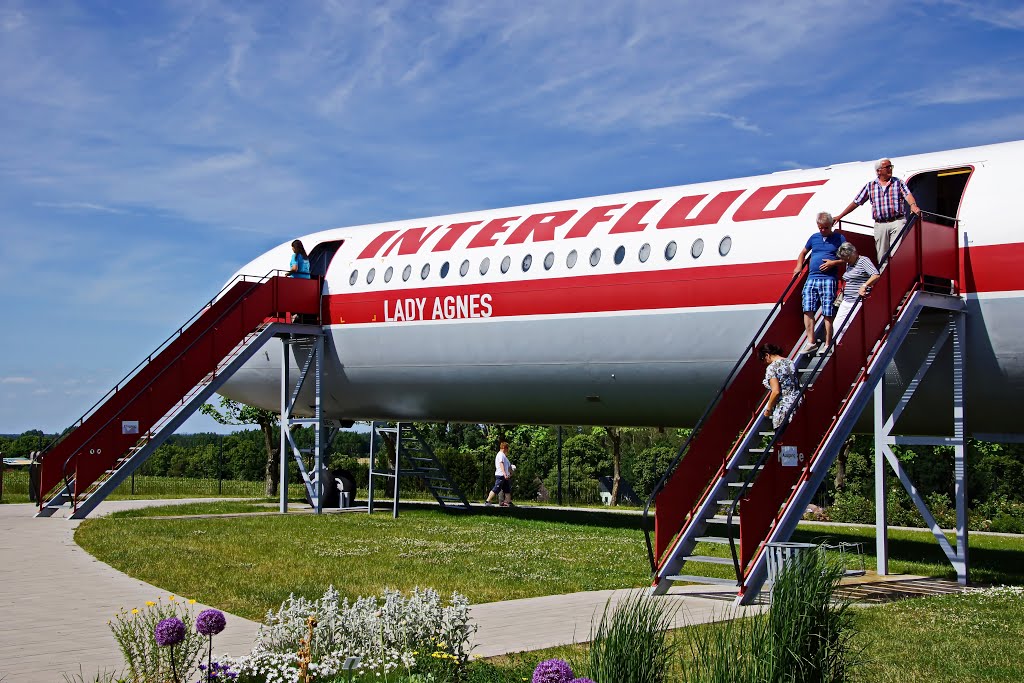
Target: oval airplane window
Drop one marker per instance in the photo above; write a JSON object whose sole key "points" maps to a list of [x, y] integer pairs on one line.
{"points": [[425, 271], [570, 259], [670, 251], [353, 277], [527, 262], [645, 253], [406, 273], [484, 265], [549, 260], [464, 268], [388, 273], [506, 263], [595, 256], [369, 275], [697, 248], [444, 270], [725, 245], [620, 254]]}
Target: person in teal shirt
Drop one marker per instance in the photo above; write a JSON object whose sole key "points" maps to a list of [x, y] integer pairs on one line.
{"points": [[299, 266]]}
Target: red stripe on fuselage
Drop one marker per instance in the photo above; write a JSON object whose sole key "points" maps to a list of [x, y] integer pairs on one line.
{"points": [[662, 289], [993, 268]]}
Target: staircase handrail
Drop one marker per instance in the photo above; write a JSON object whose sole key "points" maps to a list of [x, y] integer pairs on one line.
{"points": [[821, 359], [255, 280], [131, 373], [750, 347]]}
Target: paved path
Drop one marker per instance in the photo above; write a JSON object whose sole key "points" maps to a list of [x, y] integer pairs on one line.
{"points": [[55, 600]]}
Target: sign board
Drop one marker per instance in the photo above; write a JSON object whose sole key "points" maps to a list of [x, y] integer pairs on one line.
{"points": [[129, 426], [788, 456]]}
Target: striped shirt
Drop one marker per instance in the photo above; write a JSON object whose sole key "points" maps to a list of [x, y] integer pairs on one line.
{"points": [[887, 201], [855, 277]]}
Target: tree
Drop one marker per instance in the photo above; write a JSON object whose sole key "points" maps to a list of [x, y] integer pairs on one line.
{"points": [[614, 438], [236, 413]]}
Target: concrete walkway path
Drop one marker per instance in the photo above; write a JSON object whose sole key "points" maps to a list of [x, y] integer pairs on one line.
{"points": [[56, 599]]}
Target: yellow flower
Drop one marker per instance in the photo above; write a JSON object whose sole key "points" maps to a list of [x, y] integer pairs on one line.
{"points": [[171, 598], [191, 602], [149, 603], [135, 610]]}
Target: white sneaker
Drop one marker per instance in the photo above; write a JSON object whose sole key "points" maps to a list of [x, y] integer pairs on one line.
{"points": [[808, 347]]}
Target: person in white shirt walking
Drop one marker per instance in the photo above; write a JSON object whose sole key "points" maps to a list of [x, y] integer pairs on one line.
{"points": [[502, 478]]}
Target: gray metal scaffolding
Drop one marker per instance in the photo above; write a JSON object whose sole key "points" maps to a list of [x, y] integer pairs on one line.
{"points": [[885, 439]]}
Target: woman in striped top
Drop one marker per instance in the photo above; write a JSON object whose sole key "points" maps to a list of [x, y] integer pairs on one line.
{"points": [[859, 276]]}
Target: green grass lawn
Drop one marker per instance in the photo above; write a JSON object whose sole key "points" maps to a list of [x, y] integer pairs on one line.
{"points": [[250, 565], [968, 638]]}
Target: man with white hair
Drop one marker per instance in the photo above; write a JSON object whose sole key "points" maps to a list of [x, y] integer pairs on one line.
{"points": [[820, 288], [887, 195]]}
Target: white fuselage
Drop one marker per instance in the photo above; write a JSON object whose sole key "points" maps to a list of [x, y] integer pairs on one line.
{"points": [[488, 317]]}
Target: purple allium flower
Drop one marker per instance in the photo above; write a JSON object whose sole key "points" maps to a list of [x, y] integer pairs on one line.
{"points": [[581, 680], [169, 632], [552, 671], [210, 622]]}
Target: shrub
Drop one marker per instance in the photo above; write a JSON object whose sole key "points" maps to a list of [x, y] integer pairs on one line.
{"points": [[852, 508], [389, 634]]}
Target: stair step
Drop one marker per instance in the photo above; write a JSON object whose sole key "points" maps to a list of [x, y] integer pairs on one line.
{"points": [[709, 559], [722, 519], [750, 467], [736, 484], [725, 501], [757, 449], [766, 433], [721, 540], [714, 581]]}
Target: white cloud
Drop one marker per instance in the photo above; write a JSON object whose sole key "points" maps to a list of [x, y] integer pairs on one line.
{"points": [[17, 380], [972, 85], [79, 206]]}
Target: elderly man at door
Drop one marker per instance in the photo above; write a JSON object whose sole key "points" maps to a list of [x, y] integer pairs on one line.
{"points": [[887, 194]]}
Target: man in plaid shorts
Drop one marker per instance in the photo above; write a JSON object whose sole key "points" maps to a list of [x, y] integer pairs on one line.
{"points": [[820, 288], [887, 195]]}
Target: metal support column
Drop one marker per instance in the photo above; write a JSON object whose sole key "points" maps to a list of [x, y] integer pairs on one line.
{"points": [[371, 471], [881, 488], [959, 325], [398, 458], [283, 450]]}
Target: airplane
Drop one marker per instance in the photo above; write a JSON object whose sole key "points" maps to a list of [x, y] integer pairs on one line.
{"points": [[627, 309]]}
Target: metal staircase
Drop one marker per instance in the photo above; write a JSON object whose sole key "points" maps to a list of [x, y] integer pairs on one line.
{"points": [[410, 456], [122, 429], [736, 474]]}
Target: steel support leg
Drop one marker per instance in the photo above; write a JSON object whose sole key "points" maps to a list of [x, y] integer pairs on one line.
{"points": [[283, 450], [881, 521], [958, 324], [373, 457]]}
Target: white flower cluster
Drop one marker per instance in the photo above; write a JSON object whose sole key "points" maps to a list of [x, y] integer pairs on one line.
{"points": [[386, 632]]}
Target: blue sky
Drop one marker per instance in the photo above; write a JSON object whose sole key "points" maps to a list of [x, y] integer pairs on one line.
{"points": [[151, 148]]}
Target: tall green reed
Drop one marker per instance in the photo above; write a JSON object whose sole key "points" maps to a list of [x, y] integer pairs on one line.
{"points": [[805, 636], [632, 643]]}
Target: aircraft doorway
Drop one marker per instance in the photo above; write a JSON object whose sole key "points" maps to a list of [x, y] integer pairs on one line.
{"points": [[940, 192], [320, 257]]}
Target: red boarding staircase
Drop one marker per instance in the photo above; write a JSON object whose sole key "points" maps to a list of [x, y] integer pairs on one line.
{"points": [[734, 460], [124, 427]]}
